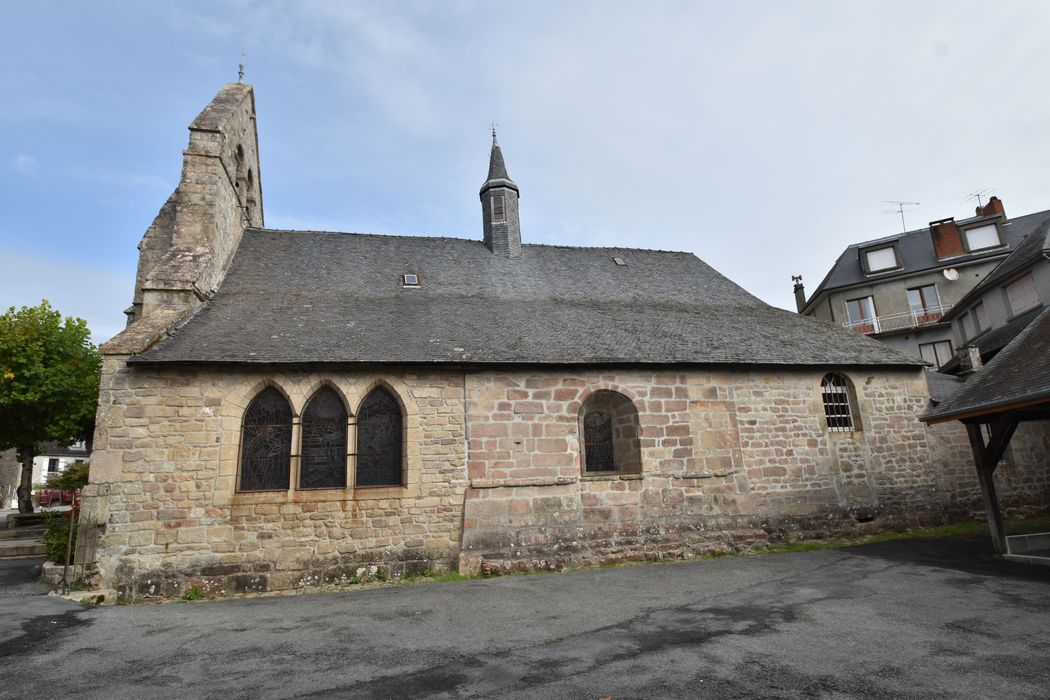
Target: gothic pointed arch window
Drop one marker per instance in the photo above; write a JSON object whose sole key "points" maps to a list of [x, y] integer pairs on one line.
{"points": [[380, 441], [322, 462], [266, 443], [610, 429], [840, 403]]}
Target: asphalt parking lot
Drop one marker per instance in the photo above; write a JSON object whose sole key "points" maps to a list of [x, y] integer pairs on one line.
{"points": [[920, 618]]}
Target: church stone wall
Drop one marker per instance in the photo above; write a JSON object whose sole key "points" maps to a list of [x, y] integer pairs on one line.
{"points": [[164, 474], [731, 459]]}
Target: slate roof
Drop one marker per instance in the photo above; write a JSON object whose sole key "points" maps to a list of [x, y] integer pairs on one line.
{"points": [[995, 339], [1028, 252], [942, 386], [916, 253], [297, 297], [1018, 375]]}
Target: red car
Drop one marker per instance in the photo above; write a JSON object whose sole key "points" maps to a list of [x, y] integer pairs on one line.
{"points": [[51, 497]]}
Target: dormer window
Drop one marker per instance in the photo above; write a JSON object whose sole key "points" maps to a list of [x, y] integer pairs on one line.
{"points": [[981, 237], [499, 209], [410, 280], [879, 259]]}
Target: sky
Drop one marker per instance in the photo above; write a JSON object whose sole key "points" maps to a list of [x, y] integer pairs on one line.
{"points": [[762, 136]]}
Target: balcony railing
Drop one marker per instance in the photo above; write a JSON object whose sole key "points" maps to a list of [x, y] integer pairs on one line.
{"points": [[897, 322]]}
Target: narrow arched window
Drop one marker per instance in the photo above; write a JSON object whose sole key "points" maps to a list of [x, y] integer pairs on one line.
{"points": [[323, 452], [266, 443], [839, 403], [610, 429], [380, 441]]}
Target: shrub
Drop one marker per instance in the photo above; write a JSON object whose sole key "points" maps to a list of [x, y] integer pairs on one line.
{"points": [[56, 536]]}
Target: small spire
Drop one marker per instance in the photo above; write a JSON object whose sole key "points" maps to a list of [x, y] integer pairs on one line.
{"points": [[494, 125]]}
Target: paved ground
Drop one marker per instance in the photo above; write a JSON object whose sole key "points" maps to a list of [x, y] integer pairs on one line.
{"points": [[922, 619]]}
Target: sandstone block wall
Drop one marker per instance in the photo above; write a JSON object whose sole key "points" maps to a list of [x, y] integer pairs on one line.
{"points": [[730, 459], [164, 475]]}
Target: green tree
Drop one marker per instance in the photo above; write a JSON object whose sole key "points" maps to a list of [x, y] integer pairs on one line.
{"points": [[49, 373]]}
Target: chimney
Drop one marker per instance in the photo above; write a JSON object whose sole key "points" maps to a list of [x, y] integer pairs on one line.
{"points": [[800, 292], [969, 359], [992, 208], [946, 238]]}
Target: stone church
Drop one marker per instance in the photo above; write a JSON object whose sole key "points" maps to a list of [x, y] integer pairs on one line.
{"points": [[286, 407]]}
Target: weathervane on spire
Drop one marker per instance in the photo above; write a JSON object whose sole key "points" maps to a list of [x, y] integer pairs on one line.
{"points": [[240, 68], [494, 125]]}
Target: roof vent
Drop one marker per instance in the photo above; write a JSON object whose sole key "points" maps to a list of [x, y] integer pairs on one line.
{"points": [[619, 261], [410, 280]]}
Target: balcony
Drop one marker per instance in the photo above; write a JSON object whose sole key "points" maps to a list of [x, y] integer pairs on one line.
{"points": [[898, 322]]}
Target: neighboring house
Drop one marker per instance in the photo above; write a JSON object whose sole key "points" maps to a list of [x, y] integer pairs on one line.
{"points": [[287, 407], [898, 289], [55, 459], [1004, 302]]}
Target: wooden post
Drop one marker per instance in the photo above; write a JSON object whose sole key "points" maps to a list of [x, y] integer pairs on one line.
{"points": [[986, 459]]}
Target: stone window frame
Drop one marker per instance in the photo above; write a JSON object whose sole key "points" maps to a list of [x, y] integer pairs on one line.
{"points": [[298, 388], [292, 471], [385, 488], [634, 461], [849, 391]]}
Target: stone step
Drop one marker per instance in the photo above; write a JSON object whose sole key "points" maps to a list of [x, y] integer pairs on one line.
{"points": [[23, 533], [21, 548], [18, 520]]}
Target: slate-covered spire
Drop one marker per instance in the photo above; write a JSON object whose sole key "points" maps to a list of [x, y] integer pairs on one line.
{"points": [[499, 207]]}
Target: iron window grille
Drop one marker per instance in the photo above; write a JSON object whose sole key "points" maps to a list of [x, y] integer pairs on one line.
{"points": [[838, 408]]}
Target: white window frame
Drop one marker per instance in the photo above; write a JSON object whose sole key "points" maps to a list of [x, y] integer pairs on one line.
{"points": [[874, 320], [892, 250], [987, 228]]}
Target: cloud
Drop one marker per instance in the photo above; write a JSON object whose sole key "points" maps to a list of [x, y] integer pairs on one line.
{"points": [[25, 164]]}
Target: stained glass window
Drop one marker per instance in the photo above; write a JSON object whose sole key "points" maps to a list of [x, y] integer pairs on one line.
{"points": [[379, 441], [266, 443], [323, 453], [598, 442]]}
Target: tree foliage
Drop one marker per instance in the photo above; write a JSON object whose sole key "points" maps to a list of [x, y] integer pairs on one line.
{"points": [[49, 374]]}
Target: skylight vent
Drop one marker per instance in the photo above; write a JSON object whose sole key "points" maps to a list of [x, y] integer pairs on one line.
{"points": [[410, 280], [620, 261]]}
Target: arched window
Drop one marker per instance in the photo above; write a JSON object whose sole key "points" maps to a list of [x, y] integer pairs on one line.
{"points": [[266, 443], [323, 448], [380, 440], [840, 407], [610, 430]]}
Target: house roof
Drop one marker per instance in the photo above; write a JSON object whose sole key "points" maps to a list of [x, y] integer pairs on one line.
{"points": [[1028, 252], [916, 253], [942, 386], [298, 296], [1018, 376], [995, 339]]}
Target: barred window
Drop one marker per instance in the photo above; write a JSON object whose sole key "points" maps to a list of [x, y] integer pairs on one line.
{"points": [[838, 399], [266, 443], [323, 460], [380, 439]]}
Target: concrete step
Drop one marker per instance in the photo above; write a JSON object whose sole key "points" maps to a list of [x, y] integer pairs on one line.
{"points": [[21, 548]]}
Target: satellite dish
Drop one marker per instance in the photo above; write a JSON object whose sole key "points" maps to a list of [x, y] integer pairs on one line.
{"points": [[952, 274]]}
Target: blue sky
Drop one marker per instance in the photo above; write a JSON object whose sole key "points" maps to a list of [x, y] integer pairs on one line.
{"points": [[762, 136]]}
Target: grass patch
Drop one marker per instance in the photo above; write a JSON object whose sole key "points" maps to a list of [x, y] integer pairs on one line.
{"points": [[192, 593], [450, 576]]}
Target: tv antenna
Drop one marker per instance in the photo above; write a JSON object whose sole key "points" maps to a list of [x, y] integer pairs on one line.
{"points": [[900, 210], [979, 194]]}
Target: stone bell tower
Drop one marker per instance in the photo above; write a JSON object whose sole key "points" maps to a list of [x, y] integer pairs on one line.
{"points": [[185, 252], [499, 207]]}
